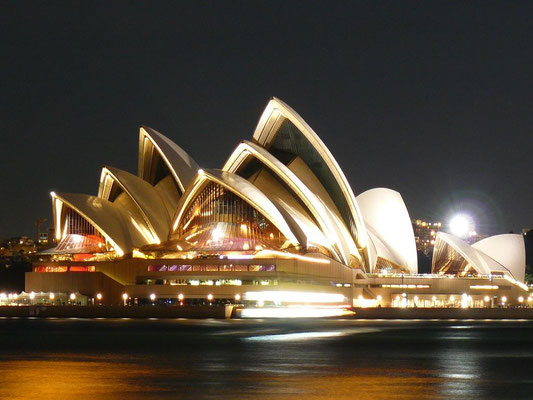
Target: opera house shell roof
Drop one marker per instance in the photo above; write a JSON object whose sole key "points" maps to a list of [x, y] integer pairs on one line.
{"points": [[282, 191], [496, 255]]}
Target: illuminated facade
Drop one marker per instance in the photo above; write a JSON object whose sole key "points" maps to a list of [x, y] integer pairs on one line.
{"points": [[278, 224]]}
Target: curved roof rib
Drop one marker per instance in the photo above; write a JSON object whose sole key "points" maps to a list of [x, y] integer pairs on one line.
{"points": [[478, 260], [240, 187], [333, 229], [298, 138], [381, 250], [182, 167], [386, 216], [148, 202], [508, 250], [107, 218]]}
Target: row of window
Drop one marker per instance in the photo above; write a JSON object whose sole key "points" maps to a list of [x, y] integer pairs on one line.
{"points": [[64, 268], [211, 268]]}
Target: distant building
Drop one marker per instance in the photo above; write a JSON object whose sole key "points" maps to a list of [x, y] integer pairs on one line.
{"points": [[425, 235], [17, 246], [43, 238]]}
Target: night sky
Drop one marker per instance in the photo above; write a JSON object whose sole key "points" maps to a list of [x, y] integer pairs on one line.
{"points": [[432, 99]]}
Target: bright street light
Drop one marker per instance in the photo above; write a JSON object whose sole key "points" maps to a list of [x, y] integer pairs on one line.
{"points": [[461, 225]]}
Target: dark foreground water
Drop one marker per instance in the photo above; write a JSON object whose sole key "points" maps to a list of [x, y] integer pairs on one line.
{"points": [[75, 359]]}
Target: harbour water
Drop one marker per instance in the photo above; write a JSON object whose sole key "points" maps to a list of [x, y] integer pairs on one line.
{"points": [[141, 359]]}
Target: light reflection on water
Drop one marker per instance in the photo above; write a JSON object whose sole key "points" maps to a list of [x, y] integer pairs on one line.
{"points": [[185, 359]]}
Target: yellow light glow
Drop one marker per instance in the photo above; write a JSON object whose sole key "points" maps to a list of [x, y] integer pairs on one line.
{"points": [[487, 299], [99, 296], [217, 234], [521, 299], [124, 296], [504, 299], [149, 236], [484, 287], [210, 297], [52, 296], [246, 246], [72, 296], [138, 254], [32, 296], [298, 256], [181, 296], [279, 297], [237, 297], [295, 312]]}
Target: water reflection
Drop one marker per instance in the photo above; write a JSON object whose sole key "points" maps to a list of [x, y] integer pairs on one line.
{"points": [[170, 359]]}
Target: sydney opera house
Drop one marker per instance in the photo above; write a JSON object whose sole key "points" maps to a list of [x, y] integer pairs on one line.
{"points": [[277, 225]]}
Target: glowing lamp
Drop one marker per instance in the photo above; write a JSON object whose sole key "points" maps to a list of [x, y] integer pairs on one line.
{"points": [[461, 225]]}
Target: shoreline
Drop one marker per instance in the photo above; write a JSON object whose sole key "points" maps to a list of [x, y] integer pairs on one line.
{"points": [[222, 312]]}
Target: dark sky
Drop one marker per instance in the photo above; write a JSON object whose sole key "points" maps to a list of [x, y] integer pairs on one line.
{"points": [[432, 99]]}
